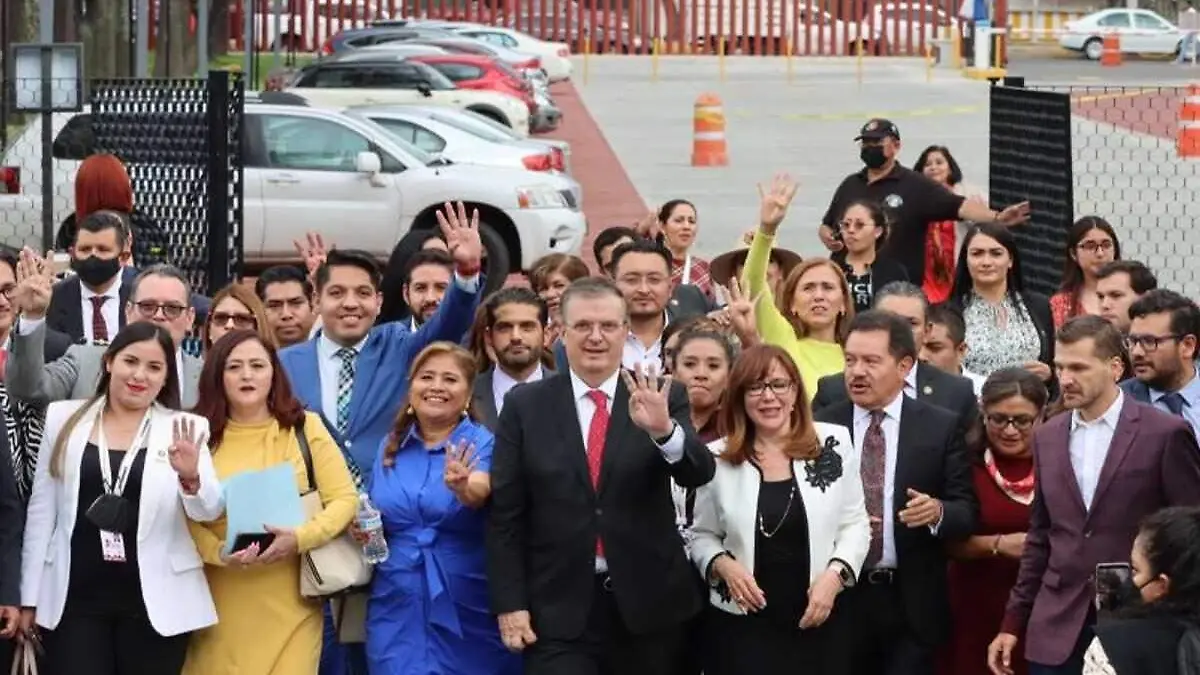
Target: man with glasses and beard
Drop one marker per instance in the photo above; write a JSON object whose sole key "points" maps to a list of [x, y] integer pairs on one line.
{"points": [[516, 327], [1162, 344]]}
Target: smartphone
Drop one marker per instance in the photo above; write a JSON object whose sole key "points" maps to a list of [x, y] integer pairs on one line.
{"points": [[1112, 586], [243, 541]]}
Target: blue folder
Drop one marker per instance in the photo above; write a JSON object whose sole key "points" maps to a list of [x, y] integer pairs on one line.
{"points": [[255, 499]]}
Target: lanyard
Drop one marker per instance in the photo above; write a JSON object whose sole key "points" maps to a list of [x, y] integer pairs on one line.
{"points": [[687, 271], [131, 454]]}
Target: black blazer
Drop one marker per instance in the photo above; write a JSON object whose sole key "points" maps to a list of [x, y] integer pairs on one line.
{"points": [[545, 516], [65, 314], [687, 301], [483, 401], [884, 271], [931, 459], [934, 385], [12, 524]]}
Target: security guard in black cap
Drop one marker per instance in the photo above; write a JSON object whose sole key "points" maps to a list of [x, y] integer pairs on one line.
{"points": [[911, 200]]}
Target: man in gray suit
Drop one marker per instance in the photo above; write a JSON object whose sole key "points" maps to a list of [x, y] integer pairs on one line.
{"points": [[515, 331], [160, 294]]}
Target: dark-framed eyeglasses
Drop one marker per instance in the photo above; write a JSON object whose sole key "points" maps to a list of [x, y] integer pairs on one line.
{"points": [[148, 309], [1018, 422], [777, 387], [1149, 343], [1093, 246]]}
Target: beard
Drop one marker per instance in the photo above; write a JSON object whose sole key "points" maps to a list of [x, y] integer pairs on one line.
{"points": [[513, 361]]}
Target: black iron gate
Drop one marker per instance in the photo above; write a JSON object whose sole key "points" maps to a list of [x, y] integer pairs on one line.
{"points": [[1030, 159], [181, 142]]}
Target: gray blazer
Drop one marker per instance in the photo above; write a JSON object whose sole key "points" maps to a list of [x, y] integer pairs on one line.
{"points": [[75, 375]]}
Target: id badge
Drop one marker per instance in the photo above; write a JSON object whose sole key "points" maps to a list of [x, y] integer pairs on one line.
{"points": [[112, 546]]}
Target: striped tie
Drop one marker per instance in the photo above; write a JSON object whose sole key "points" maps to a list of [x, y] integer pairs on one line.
{"points": [[345, 385]]}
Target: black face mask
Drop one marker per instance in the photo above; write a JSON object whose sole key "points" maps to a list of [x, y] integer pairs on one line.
{"points": [[872, 156], [94, 271]]}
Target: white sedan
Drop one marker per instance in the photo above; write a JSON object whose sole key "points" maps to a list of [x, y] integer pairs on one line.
{"points": [[1141, 31], [555, 56]]}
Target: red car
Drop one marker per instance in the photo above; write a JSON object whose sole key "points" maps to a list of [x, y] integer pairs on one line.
{"points": [[480, 72]]}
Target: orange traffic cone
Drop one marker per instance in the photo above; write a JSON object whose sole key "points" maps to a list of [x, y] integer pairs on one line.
{"points": [[708, 132], [1189, 124], [1110, 54]]}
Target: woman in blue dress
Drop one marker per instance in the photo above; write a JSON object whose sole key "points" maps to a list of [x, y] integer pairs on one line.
{"points": [[428, 613]]}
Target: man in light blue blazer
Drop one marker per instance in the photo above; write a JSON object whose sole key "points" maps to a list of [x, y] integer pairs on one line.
{"points": [[357, 376]]}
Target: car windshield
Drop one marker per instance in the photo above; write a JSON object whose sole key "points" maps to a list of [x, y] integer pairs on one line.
{"points": [[469, 126], [405, 145]]}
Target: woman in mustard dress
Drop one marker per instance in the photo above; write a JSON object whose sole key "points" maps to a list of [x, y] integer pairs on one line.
{"points": [[265, 627]]}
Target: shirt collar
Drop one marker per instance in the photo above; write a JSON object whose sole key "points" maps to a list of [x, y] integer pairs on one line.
{"points": [[412, 324], [910, 380], [891, 410], [631, 338], [1190, 391], [580, 388], [504, 381], [1109, 417], [326, 347], [114, 290], [412, 438]]}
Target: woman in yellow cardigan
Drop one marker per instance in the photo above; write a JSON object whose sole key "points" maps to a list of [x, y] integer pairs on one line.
{"points": [[806, 319], [265, 627]]}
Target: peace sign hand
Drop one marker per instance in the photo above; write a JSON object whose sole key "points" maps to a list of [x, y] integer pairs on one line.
{"points": [[774, 201], [462, 235], [35, 283], [741, 313], [648, 400], [185, 449], [461, 461]]}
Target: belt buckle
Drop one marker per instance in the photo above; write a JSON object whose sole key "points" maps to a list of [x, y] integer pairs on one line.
{"points": [[881, 576]]}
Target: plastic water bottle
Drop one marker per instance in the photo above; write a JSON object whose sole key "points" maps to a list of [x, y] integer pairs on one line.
{"points": [[370, 523]]}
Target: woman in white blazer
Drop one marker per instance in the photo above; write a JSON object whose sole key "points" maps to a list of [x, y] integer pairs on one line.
{"points": [[108, 568], [781, 528]]}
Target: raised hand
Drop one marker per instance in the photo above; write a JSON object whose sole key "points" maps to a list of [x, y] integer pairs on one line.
{"points": [[185, 449], [648, 400], [461, 460], [741, 313], [774, 200], [35, 283], [1014, 215], [462, 235], [312, 251], [648, 227]]}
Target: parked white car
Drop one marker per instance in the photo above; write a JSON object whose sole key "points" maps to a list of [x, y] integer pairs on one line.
{"points": [[555, 56], [367, 77], [490, 128], [1141, 31], [313, 169]]}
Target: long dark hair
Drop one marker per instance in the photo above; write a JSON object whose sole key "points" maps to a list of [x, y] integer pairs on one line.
{"points": [[1002, 385], [213, 403], [964, 285], [1171, 541], [956, 174], [1072, 277], [168, 396]]}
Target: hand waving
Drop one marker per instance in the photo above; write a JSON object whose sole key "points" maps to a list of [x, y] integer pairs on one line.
{"points": [[461, 460], [774, 201], [648, 400], [648, 226], [185, 449], [741, 313], [312, 251], [35, 282], [462, 235]]}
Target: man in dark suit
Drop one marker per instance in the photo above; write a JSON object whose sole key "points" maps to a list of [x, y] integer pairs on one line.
{"points": [[589, 568], [1162, 343], [919, 495], [1101, 468], [515, 324], [12, 526], [89, 305], [923, 382]]}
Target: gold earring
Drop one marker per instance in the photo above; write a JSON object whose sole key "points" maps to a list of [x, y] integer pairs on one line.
{"points": [[409, 410]]}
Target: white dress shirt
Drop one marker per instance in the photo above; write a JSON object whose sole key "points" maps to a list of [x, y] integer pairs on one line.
{"points": [[910, 382], [1089, 447], [502, 383], [891, 439], [110, 310], [636, 353], [585, 409]]}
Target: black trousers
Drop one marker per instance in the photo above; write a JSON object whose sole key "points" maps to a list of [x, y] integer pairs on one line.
{"points": [[872, 634], [606, 646], [102, 645]]}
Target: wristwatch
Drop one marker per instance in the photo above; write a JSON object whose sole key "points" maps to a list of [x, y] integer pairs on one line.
{"points": [[664, 439], [844, 573]]}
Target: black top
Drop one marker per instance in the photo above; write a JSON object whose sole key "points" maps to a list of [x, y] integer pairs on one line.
{"points": [[863, 287], [911, 200], [96, 586], [1143, 646], [781, 560]]}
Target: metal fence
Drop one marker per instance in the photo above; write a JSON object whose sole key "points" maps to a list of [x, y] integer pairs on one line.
{"points": [[1113, 156], [180, 141]]}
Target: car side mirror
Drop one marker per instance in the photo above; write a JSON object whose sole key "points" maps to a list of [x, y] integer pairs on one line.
{"points": [[425, 89], [369, 164]]}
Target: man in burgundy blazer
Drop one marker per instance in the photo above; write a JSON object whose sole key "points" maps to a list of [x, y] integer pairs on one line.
{"points": [[1152, 462]]}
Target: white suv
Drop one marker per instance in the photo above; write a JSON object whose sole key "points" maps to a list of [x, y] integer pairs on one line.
{"points": [[320, 170]]}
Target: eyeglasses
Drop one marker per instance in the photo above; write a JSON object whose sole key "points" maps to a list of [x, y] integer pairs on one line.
{"points": [[1093, 246], [1018, 422], [1148, 343], [243, 321], [148, 309], [585, 328], [777, 387]]}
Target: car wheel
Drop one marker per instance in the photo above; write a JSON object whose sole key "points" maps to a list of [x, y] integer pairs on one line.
{"points": [[496, 259], [492, 115], [1092, 49]]}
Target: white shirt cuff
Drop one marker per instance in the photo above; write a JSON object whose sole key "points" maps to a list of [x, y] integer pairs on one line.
{"points": [[933, 529], [672, 450], [469, 284], [27, 326]]}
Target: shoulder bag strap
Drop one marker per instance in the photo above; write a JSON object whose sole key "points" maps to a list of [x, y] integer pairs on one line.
{"points": [[306, 454]]}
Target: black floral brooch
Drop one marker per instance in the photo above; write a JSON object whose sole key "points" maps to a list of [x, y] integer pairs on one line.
{"points": [[826, 469]]}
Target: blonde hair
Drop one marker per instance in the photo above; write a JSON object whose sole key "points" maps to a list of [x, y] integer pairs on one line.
{"points": [[787, 295]]}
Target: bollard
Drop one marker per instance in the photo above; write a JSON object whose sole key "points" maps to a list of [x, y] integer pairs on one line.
{"points": [[1189, 124], [587, 53], [708, 132], [1110, 54], [655, 48], [928, 63], [721, 59], [956, 48], [858, 64], [791, 66]]}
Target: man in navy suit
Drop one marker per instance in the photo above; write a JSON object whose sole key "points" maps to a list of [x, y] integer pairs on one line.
{"points": [[357, 376], [1162, 343]]}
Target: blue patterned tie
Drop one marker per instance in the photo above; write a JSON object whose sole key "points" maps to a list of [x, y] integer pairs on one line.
{"points": [[345, 385]]}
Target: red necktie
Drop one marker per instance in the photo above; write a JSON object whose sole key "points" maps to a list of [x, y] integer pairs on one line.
{"points": [[99, 327], [595, 445]]}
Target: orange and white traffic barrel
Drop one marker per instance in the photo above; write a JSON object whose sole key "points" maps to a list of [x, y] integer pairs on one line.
{"points": [[708, 132], [1189, 124], [1110, 49]]}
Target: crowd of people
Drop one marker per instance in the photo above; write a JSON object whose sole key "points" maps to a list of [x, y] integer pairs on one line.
{"points": [[891, 460]]}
